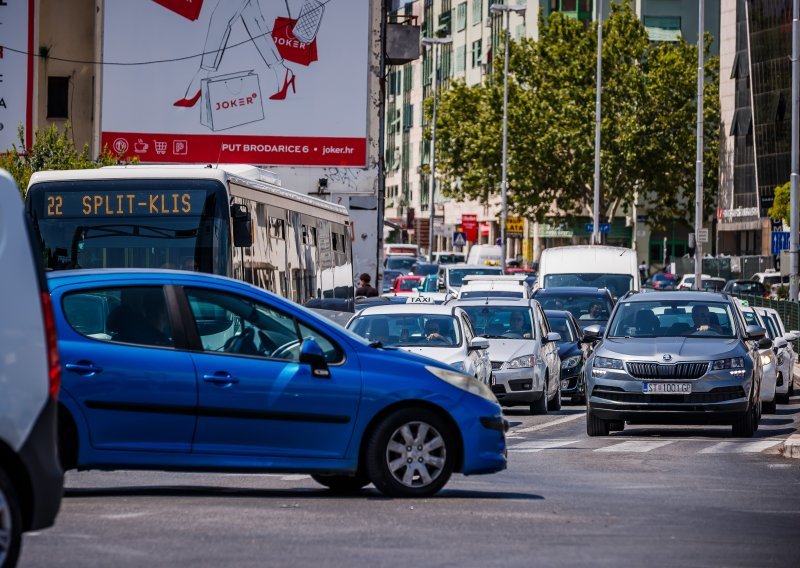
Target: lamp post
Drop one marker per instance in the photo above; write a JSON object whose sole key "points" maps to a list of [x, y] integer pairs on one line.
{"points": [[432, 42], [794, 198], [597, 125], [698, 183], [507, 9]]}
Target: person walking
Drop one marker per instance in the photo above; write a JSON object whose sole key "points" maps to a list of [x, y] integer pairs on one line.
{"points": [[364, 287]]}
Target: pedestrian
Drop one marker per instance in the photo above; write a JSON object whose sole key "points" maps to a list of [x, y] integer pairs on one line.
{"points": [[643, 270], [364, 287]]}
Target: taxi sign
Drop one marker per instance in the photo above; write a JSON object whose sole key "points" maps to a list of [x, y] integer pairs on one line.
{"points": [[419, 300]]}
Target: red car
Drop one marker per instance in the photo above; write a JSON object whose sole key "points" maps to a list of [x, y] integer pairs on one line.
{"points": [[406, 284]]}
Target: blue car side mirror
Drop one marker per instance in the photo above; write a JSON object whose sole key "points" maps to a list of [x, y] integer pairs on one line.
{"points": [[311, 354]]}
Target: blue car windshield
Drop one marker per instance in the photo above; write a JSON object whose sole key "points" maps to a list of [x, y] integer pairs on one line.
{"points": [[673, 318]]}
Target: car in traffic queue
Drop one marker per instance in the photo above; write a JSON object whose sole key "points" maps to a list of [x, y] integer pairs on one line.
{"points": [[590, 306], [661, 281], [573, 352], [668, 358], [425, 269], [31, 480], [784, 353], [769, 360], [443, 333], [389, 276], [406, 284], [400, 262], [181, 371], [613, 268], [713, 284], [494, 286], [746, 288], [451, 276], [526, 369], [687, 281]]}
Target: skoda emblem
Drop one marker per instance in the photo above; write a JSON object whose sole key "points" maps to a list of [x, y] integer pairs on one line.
{"points": [[667, 357]]}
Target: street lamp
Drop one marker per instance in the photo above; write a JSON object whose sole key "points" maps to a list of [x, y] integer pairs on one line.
{"points": [[432, 42], [497, 9]]}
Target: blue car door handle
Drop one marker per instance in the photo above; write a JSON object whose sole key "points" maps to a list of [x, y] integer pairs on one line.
{"points": [[85, 368], [221, 378]]}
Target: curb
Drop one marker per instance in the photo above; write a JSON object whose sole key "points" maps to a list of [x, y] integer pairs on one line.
{"points": [[791, 447]]}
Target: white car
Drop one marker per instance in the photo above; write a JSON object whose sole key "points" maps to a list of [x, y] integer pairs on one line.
{"points": [[443, 333], [31, 481], [769, 362], [687, 281], [494, 286], [451, 276], [526, 368], [784, 351]]}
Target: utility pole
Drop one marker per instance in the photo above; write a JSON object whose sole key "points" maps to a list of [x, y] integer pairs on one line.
{"points": [[381, 145], [698, 182], [597, 122], [794, 206]]}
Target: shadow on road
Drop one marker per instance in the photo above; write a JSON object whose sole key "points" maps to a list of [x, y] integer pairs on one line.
{"points": [[699, 432], [302, 493]]}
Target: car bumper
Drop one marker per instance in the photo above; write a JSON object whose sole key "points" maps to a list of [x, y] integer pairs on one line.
{"points": [[508, 385], [40, 456], [484, 438], [716, 398]]}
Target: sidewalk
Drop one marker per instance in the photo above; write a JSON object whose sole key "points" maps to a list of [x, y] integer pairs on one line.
{"points": [[791, 447]]}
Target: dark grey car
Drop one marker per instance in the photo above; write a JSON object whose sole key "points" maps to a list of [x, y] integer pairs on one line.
{"points": [[669, 358]]}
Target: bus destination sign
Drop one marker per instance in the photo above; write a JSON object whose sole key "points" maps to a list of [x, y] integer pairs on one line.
{"points": [[123, 203]]}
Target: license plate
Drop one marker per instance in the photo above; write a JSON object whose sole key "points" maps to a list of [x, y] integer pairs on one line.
{"points": [[667, 388]]}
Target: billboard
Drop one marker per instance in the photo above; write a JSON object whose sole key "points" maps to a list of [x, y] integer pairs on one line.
{"points": [[275, 82], [16, 71]]}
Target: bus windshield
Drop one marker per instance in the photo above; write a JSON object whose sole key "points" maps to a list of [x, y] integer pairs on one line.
{"points": [[143, 223]]}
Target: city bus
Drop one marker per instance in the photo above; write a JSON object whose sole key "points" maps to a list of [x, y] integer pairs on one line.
{"points": [[233, 220]]}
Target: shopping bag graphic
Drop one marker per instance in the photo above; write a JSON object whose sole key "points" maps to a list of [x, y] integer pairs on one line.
{"points": [[289, 47], [189, 9], [230, 100]]}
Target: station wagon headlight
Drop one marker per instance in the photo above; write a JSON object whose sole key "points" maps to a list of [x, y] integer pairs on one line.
{"points": [[520, 362], [732, 363], [469, 384], [607, 363], [571, 362]]}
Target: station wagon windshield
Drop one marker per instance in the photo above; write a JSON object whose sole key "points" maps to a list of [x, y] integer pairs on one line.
{"points": [[673, 318]]}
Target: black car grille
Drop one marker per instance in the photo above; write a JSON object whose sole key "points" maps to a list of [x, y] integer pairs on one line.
{"points": [[498, 389], [719, 394], [673, 371], [496, 365]]}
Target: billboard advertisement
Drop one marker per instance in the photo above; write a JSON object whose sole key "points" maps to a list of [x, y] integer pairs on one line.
{"points": [[16, 71], [274, 82]]}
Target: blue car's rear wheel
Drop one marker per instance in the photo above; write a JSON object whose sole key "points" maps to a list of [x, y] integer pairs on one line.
{"points": [[411, 454]]}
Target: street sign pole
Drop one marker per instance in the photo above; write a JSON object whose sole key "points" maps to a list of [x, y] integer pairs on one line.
{"points": [[698, 208], [794, 205], [597, 105]]}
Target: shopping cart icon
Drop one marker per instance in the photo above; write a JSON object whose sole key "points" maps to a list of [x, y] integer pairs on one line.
{"points": [[161, 147]]}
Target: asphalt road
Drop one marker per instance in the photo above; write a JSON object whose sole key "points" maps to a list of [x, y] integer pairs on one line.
{"points": [[648, 496]]}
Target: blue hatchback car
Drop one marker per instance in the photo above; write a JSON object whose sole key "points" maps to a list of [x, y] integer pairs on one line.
{"points": [[182, 371]]}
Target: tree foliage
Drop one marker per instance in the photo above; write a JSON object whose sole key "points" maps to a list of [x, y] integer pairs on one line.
{"points": [[648, 124], [782, 202], [52, 149]]}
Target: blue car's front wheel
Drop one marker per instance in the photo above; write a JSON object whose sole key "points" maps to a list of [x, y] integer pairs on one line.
{"points": [[411, 454]]}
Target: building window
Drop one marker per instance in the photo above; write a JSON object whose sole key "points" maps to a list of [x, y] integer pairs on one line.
{"points": [[663, 28], [461, 17], [461, 59], [58, 97], [408, 116], [476, 53], [477, 11]]}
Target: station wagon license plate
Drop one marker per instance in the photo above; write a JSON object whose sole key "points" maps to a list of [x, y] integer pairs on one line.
{"points": [[667, 388]]}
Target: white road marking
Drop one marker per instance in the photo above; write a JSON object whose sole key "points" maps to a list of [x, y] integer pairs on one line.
{"points": [[555, 422], [538, 446], [640, 446], [298, 477], [740, 447]]}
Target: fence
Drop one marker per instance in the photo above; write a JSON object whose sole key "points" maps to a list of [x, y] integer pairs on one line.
{"points": [[727, 267], [789, 311]]}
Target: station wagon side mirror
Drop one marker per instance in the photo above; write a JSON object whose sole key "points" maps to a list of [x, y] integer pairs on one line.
{"points": [[478, 343], [311, 354], [593, 333], [242, 225], [755, 332]]}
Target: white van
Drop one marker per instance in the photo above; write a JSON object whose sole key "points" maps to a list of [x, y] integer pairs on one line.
{"points": [[592, 266], [400, 248], [31, 481], [490, 255]]}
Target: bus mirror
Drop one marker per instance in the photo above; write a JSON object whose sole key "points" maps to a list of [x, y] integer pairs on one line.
{"points": [[242, 226]]}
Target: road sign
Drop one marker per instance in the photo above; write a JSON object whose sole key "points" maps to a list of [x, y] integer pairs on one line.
{"points": [[780, 241], [604, 227], [702, 235], [459, 239]]}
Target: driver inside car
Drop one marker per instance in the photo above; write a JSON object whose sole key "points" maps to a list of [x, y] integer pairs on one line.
{"points": [[517, 325], [702, 320], [433, 332]]}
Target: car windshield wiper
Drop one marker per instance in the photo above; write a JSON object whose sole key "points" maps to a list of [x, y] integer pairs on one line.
{"points": [[376, 344], [494, 337]]}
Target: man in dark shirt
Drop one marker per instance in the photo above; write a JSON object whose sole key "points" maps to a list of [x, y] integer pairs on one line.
{"points": [[364, 288]]}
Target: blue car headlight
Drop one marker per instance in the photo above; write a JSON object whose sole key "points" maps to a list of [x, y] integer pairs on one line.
{"points": [[464, 382], [571, 362]]}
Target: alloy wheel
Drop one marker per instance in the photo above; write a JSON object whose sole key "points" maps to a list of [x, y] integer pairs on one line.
{"points": [[6, 528], [416, 454]]}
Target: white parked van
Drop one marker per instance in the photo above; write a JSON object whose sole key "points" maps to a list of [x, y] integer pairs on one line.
{"points": [[31, 481], [490, 255], [592, 266]]}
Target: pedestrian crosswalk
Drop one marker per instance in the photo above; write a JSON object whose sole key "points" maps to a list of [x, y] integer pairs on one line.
{"points": [[647, 445]]}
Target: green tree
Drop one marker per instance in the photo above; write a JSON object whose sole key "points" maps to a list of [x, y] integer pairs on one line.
{"points": [[780, 207], [52, 149], [648, 124]]}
